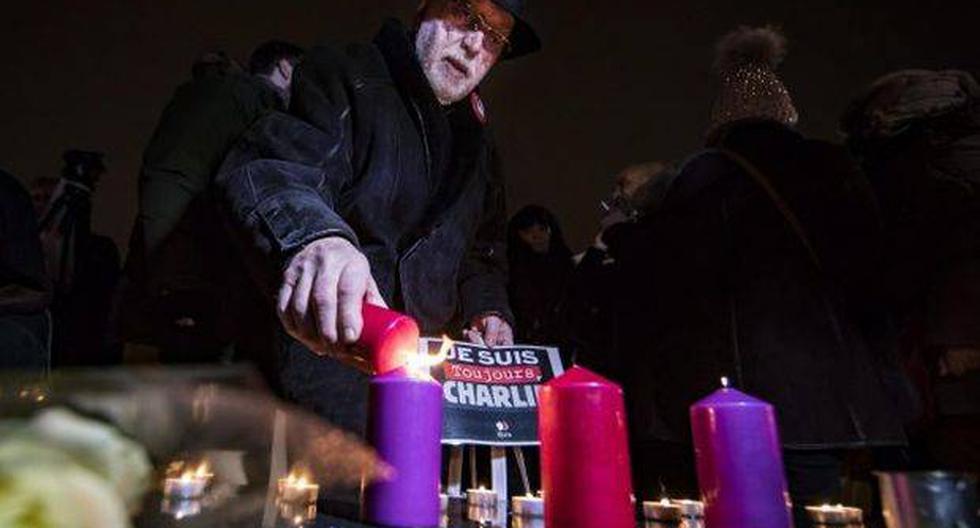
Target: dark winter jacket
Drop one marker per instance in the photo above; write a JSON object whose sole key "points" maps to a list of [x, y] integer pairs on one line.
{"points": [[716, 283], [370, 155], [367, 153]]}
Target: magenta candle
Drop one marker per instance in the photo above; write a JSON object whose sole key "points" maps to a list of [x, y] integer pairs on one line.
{"points": [[405, 427], [585, 469], [388, 339], [739, 461]]}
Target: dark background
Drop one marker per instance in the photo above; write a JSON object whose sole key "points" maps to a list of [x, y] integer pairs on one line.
{"points": [[618, 82]]}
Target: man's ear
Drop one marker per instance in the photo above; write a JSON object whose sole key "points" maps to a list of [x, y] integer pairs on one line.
{"points": [[285, 69]]}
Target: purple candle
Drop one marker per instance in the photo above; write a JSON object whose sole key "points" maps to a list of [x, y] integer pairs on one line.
{"points": [[739, 461], [405, 427]]}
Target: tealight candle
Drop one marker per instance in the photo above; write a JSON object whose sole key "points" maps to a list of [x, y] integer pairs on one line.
{"points": [[482, 498], [662, 510], [189, 485], [838, 515], [298, 489], [689, 508], [527, 505], [180, 508]]}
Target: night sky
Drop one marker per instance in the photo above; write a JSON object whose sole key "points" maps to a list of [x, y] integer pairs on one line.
{"points": [[618, 82]]}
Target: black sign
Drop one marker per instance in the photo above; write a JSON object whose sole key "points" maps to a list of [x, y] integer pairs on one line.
{"points": [[491, 394]]}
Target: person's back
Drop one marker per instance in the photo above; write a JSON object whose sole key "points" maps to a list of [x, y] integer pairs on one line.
{"points": [[24, 286], [181, 295]]}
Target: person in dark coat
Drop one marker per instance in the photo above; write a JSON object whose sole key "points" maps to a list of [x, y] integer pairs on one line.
{"points": [[83, 266], [917, 133], [754, 268], [25, 291], [379, 186], [539, 267], [182, 294]]}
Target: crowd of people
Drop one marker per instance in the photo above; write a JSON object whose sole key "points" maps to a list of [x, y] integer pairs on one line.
{"points": [[840, 282]]}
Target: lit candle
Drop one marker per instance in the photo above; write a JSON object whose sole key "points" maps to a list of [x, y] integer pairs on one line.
{"points": [[662, 511], [527, 505], [297, 488], [585, 467], [838, 515], [297, 513], [481, 497], [739, 461], [191, 484], [691, 509], [405, 428], [180, 508]]}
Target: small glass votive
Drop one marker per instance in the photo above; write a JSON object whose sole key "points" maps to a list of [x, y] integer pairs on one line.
{"points": [[297, 513], [690, 509], [527, 505], [838, 515], [481, 498], [180, 508], [297, 489], [190, 484], [662, 511]]}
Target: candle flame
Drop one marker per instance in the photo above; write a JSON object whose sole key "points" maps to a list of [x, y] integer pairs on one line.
{"points": [[665, 501], [724, 381], [421, 363], [202, 471]]}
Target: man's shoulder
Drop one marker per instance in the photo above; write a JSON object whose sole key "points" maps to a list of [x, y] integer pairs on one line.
{"points": [[351, 63]]}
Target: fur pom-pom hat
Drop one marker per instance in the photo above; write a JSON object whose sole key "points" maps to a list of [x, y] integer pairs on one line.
{"points": [[746, 61]]}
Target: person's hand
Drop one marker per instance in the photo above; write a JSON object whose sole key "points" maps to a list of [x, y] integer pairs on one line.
{"points": [[322, 292], [490, 330]]}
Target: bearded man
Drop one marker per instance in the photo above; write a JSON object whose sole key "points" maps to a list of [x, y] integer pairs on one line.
{"points": [[379, 186]]}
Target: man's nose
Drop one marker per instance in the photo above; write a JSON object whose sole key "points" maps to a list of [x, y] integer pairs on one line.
{"points": [[473, 42]]}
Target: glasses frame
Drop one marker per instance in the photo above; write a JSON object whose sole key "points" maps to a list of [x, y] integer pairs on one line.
{"points": [[474, 21]]}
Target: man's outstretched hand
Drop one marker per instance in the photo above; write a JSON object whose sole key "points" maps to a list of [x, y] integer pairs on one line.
{"points": [[322, 292]]}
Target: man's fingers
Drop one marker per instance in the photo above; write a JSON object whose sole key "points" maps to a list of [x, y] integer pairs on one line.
{"points": [[474, 336], [506, 334], [283, 300], [298, 308], [351, 290], [491, 330], [324, 298], [374, 295]]}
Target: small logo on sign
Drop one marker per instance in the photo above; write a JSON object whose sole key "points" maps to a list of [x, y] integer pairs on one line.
{"points": [[503, 429]]}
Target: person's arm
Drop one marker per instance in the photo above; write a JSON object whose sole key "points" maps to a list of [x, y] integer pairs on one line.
{"points": [[483, 275]]}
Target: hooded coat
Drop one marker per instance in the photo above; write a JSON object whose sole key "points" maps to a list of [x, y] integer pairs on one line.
{"points": [[718, 283]]}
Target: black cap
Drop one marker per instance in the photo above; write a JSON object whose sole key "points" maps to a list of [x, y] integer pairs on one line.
{"points": [[523, 39]]}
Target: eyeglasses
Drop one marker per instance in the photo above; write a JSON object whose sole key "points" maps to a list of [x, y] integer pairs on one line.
{"points": [[463, 15]]}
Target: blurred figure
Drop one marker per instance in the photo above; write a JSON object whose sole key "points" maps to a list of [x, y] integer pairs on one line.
{"points": [[756, 266], [539, 263], [917, 134], [24, 285], [83, 266], [180, 297], [42, 189], [637, 191]]}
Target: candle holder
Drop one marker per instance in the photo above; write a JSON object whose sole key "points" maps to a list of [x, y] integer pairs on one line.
{"points": [[690, 509], [180, 508], [297, 489], [190, 484], [663, 511], [481, 498], [527, 506], [838, 515], [297, 513]]}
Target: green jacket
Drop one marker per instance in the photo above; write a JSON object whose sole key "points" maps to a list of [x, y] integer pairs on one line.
{"points": [[174, 262]]}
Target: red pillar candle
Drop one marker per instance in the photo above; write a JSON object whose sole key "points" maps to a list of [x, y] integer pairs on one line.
{"points": [[585, 468], [388, 339], [739, 461]]}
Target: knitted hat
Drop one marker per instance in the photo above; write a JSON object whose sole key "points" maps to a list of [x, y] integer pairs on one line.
{"points": [[746, 63]]}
